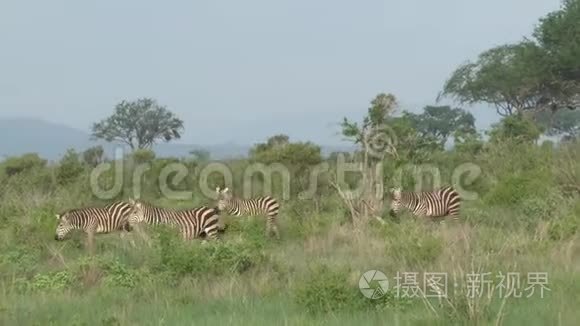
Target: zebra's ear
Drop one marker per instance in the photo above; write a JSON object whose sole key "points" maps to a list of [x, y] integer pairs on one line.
{"points": [[57, 216], [226, 190]]}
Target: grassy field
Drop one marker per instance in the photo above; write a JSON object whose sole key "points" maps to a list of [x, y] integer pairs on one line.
{"points": [[521, 223], [309, 277]]}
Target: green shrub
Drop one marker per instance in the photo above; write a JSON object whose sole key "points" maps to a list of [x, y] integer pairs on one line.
{"points": [[93, 156], [19, 258], [514, 189], [195, 258], [24, 163], [70, 168], [544, 207], [564, 228], [252, 230], [119, 275], [326, 290], [51, 281], [413, 241], [143, 156]]}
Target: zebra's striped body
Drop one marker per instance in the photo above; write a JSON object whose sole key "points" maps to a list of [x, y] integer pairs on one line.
{"points": [[265, 205], [113, 217], [434, 204], [192, 223]]}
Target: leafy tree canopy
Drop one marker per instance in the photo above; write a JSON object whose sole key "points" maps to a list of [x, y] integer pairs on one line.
{"points": [[139, 124], [279, 149], [509, 77], [535, 74], [438, 123]]}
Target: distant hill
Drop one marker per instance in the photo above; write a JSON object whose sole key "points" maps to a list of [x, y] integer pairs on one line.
{"points": [[51, 141]]}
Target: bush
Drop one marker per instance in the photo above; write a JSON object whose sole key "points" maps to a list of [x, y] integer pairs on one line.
{"points": [[24, 163], [564, 228], [515, 189], [143, 156], [51, 281], [326, 290], [93, 156], [119, 275], [69, 169], [544, 207], [515, 128], [412, 241], [193, 258]]}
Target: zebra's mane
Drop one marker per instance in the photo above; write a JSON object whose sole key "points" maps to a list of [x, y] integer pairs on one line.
{"points": [[78, 209], [148, 205]]}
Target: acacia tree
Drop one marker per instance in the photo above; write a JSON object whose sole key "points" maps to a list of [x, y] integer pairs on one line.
{"points": [[559, 35], [540, 73], [564, 123], [438, 123], [510, 77], [139, 124]]}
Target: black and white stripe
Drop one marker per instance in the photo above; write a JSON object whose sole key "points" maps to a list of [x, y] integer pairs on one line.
{"points": [[266, 205], [91, 220], [434, 204], [192, 223]]}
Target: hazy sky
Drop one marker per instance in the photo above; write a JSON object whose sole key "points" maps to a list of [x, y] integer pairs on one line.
{"points": [[244, 70]]}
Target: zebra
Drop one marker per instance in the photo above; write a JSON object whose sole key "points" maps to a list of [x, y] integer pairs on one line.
{"points": [[193, 222], [94, 220], [436, 204], [264, 205]]}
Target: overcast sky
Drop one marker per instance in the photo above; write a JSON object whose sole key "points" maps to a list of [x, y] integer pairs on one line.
{"points": [[243, 70]]}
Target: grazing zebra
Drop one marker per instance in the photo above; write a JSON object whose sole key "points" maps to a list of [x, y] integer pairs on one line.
{"points": [[265, 205], [193, 222], [113, 217], [434, 204]]}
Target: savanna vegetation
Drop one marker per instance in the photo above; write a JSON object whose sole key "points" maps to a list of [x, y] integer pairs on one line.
{"points": [[520, 214]]}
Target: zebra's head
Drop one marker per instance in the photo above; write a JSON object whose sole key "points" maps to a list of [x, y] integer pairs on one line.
{"points": [[224, 197], [136, 214], [395, 200], [395, 192], [64, 226]]}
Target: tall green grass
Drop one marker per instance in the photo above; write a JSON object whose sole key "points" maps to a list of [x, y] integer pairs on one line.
{"points": [[523, 221]]}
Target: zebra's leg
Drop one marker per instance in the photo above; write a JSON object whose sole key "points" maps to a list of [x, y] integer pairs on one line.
{"points": [[184, 235], [211, 234], [271, 228], [90, 241], [274, 226], [125, 235]]}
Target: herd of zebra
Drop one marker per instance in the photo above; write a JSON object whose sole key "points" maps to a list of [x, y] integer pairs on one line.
{"points": [[204, 221]]}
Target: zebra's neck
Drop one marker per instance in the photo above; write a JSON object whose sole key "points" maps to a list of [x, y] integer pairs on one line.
{"points": [[79, 221], [409, 200], [233, 207]]}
